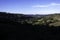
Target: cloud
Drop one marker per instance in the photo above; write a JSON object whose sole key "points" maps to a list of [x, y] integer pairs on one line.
{"points": [[41, 6], [51, 4]]}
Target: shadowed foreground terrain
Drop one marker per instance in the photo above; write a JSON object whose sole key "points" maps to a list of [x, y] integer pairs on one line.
{"points": [[29, 27]]}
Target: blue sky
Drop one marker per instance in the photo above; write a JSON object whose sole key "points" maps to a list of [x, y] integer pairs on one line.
{"points": [[30, 6]]}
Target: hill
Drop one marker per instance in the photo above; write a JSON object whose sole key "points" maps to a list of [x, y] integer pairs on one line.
{"points": [[50, 20], [29, 27]]}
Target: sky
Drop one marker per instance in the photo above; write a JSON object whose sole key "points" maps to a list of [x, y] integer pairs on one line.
{"points": [[30, 6]]}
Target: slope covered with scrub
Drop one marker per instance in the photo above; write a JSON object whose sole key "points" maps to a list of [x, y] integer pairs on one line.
{"points": [[29, 26], [50, 20]]}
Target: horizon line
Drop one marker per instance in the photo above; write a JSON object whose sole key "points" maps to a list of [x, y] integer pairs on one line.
{"points": [[28, 14]]}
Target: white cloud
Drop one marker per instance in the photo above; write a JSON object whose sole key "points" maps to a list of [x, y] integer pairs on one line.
{"points": [[51, 4], [41, 6]]}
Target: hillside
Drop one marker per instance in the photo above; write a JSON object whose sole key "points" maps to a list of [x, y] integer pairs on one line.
{"points": [[50, 20], [29, 27]]}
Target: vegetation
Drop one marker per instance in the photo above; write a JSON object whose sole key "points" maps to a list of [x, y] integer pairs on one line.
{"points": [[29, 27], [50, 20]]}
